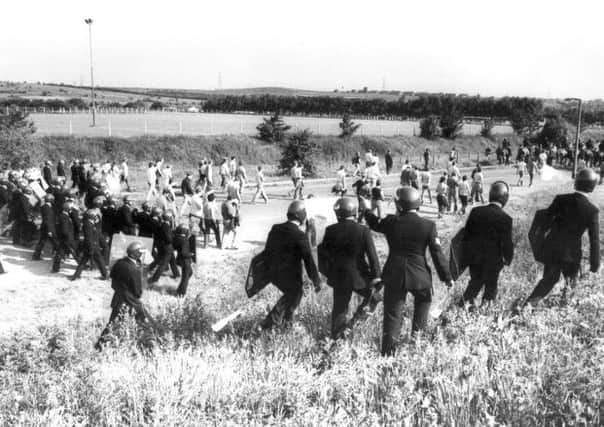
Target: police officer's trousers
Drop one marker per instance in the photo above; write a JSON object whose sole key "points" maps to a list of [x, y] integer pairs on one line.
{"points": [[394, 303]]}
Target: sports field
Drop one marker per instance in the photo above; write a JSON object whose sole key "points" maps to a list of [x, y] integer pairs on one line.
{"points": [[156, 123]]}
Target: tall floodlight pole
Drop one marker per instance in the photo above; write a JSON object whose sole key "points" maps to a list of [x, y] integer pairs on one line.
{"points": [[576, 159], [89, 22]]}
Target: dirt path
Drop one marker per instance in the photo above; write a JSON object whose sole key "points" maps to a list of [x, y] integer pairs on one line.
{"points": [[31, 296]]}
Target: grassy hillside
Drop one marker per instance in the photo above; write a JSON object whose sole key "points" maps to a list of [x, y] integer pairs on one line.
{"points": [[543, 368], [184, 152]]}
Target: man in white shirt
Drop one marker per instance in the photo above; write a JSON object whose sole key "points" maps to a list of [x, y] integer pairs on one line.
{"points": [[125, 173], [296, 174], [151, 181]]}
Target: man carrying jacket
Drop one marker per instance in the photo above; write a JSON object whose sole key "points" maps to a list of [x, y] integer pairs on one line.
{"points": [[487, 245], [348, 258], [572, 214], [287, 246], [406, 269]]}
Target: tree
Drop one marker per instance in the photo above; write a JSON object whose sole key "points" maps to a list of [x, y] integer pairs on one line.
{"points": [[272, 129], [17, 147], [487, 128], [300, 147], [429, 127], [348, 127], [451, 121], [526, 116], [554, 131]]}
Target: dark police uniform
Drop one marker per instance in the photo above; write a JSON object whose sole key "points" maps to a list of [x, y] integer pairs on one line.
{"points": [[125, 220], [352, 263], [48, 231], [487, 247], [144, 222], [572, 214], [406, 270], [184, 257], [165, 251], [92, 249], [126, 282], [67, 240], [287, 247]]}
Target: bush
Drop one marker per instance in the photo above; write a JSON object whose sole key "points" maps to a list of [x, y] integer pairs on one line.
{"points": [[17, 145], [451, 122], [429, 127], [300, 147], [272, 129], [554, 131], [526, 118], [348, 127]]}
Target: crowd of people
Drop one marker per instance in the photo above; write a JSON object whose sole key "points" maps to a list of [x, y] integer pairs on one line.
{"points": [[79, 217]]}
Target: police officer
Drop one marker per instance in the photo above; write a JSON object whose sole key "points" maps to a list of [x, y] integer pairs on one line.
{"points": [[487, 245], [142, 219], [406, 269], [92, 247], [98, 204], [572, 214], [165, 248], [184, 257], [125, 219], [48, 229], [287, 246], [348, 258], [126, 282], [66, 236]]}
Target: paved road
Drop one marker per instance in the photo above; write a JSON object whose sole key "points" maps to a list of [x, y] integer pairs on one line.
{"points": [[257, 219]]}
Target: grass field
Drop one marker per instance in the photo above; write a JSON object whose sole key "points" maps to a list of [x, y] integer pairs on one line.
{"points": [[482, 368], [155, 123]]}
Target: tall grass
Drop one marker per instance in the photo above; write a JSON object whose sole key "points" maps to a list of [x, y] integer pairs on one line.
{"points": [[480, 368]]}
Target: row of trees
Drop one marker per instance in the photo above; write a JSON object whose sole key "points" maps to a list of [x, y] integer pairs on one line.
{"points": [[74, 104], [501, 108]]}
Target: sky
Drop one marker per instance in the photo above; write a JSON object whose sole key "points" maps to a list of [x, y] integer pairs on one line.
{"points": [[552, 49]]}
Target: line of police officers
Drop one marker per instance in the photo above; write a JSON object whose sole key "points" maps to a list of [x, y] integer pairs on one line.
{"points": [[347, 255], [87, 236]]}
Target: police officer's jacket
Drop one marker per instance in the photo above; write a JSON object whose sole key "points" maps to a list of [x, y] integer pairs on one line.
{"points": [[572, 214], [349, 256], [286, 247], [408, 236], [488, 239]]}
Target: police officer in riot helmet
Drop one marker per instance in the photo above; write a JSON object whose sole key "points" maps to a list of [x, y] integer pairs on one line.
{"points": [[287, 246], [487, 245], [347, 257], [406, 270], [571, 215]]}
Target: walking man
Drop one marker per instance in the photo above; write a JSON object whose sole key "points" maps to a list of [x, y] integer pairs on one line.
{"points": [[287, 246], [488, 245], [349, 260], [572, 214], [406, 269]]}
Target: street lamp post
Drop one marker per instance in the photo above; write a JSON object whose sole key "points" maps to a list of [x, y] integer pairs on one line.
{"points": [[576, 156], [89, 22]]}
